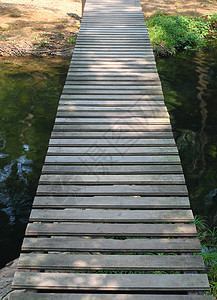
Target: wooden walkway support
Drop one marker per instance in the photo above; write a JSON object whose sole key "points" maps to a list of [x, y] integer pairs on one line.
{"points": [[111, 218]]}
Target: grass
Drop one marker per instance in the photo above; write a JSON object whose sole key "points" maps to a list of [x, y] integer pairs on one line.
{"points": [[172, 33], [208, 239], [72, 40]]}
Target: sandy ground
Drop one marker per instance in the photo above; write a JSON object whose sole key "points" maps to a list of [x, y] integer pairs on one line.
{"points": [[191, 8], [49, 27], [39, 27]]}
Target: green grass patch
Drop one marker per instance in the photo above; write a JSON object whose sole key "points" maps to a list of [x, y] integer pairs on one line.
{"points": [[172, 33], [208, 239]]}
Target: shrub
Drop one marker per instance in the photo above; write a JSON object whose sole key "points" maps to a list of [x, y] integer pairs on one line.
{"points": [[170, 34]]}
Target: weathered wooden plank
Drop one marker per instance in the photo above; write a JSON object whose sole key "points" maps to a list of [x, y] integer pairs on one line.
{"points": [[147, 50], [118, 127], [122, 169], [121, 73], [113, 135], [106, 113], [114, 97], [112, 92], [111, 262], [113, 82], [111, 190], [68, 296], [114, 121], [112, 179], [110, 142], [115, 61], [71, 109], [114, 55], [125, 105], [119, 31], [125, 202], [79, 229], [105, 215], [117, 111], [112, 245], [118, 282], [112, 150], [103, 158]]}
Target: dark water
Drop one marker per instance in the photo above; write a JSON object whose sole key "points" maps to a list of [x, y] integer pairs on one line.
{"points": [[190, 87], [29, 93]]}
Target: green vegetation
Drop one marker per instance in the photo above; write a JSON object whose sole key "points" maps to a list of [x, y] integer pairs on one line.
{"points": [[72, 40], [170, 34], [208, 239], [43, 42]]}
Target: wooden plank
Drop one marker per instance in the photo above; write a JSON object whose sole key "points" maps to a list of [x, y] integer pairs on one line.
{"points": [[112, 92], [94, 169], [105, 215], [80, 229], [68, 296], [111, 142], [119, 111], [111, 262], [111, 190], [148, 50], [106, 87], [112, 135], [145, 83], [114, 127], [114, 97], [106, 113], [114, 179], [115, 62], [113, 55], [123, 282], [146, 105], [125, 202], [125, 121], [112, 150], [155, 245], [114, 82], [71, 109], [103, 158], [119, 74]]}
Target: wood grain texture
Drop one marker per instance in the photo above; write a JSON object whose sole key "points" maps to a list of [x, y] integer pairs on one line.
{"points": [[56, 296], [110, 262], [112, 190], [123, 282], [82, 229], [118, 216], [123, 202]]}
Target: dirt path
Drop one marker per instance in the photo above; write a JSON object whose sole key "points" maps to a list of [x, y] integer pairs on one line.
{"points": [[191, 8], [39, 27]]}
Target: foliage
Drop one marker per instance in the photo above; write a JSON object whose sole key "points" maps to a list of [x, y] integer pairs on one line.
{"points": [[170, 34], [208, 238], [72, 40]]}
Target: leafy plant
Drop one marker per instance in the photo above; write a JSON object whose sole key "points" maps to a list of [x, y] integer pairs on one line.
{"points": [[208, 238], [170, 34], [43, 42], [72, 40]]}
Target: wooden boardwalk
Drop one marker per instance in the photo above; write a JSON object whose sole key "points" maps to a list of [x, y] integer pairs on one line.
{"points": [[111, 218]]}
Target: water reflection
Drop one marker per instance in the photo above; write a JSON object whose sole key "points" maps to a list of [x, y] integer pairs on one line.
{"points": [[190, 88], [29, 93]]}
